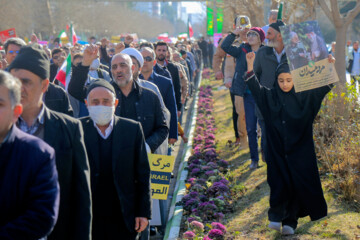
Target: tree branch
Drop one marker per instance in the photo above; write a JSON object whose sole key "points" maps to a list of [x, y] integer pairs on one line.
{"points": [[352, 13], [326, 10], [338, 20]]}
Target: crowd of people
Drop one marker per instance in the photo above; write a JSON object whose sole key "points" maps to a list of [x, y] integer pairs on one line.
{"points": [[73, 152]]}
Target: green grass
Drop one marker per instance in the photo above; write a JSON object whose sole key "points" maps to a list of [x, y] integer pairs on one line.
{"points": [[251, 191]]}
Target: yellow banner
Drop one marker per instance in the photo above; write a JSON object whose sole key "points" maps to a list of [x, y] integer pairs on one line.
{"points": [[161, 167], [314, 75]]}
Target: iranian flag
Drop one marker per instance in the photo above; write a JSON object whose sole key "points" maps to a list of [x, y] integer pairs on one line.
{"points": [[74, 38], [190, 30], [183, 35], [64, 72]]}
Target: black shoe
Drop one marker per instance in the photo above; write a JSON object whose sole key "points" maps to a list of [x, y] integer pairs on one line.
{"points": [[254, 165], [152, 231]]}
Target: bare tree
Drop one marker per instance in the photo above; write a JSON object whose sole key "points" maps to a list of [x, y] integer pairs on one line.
{"points": [[341, 23]]}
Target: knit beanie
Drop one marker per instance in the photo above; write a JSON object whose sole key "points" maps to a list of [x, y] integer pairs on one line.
{"points": [[100, 83], [34, 59], [276, 25], [259, 31]]}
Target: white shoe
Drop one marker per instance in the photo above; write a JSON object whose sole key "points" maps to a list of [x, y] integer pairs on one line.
{"points": [[287, 230], [275, 225]]}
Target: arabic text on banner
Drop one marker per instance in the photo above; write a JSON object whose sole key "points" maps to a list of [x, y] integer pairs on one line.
{"points": [[161, 167], [321, 74]]}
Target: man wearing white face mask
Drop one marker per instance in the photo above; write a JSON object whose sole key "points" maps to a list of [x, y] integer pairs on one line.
{"points": [[120, 172]]}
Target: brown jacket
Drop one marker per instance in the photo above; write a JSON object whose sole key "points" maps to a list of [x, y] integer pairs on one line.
{"points": [[219, 55]]}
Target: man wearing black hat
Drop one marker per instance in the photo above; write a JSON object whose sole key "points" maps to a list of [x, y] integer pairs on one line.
{"points": [[120, 172], [61, 132], [266, 61]]}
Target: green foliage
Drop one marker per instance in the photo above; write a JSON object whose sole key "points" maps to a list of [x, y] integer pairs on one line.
{"points": [[336, 134]]}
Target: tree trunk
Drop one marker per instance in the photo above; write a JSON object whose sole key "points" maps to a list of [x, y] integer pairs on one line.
{"points": [[340, 64]]}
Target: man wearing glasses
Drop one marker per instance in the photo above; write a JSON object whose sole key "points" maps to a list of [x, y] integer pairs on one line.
{"points": [[12, 47], [58, 58]]}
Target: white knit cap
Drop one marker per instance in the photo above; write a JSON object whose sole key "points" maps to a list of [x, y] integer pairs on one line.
{"points": [[132, 52]]}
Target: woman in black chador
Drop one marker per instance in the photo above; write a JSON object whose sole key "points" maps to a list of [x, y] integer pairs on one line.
{"points": [[292, 172]]}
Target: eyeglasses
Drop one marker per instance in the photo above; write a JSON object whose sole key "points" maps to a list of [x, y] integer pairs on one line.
{"points": [[252, 34], [12, 52], [148, 59], [57, 57]]}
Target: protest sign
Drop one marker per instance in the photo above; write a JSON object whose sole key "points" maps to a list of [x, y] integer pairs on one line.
{"points": [[6, 34], [161, 167], [307, 56]]}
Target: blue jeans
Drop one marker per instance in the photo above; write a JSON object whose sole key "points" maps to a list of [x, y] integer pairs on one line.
{"points": [[251, 126]]}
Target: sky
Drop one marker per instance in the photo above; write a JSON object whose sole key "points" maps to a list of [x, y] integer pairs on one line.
{"points": [[193, 7]]}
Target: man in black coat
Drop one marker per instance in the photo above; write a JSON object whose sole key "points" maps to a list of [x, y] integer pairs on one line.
{"points": [[161, 49], [29, 190], [266, 61], [120, 172], [204, 46], [61, 132], [56, 99], [135, 102]]}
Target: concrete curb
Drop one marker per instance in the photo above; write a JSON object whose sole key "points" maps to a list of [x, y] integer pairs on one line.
{"points": [[175, 213]]}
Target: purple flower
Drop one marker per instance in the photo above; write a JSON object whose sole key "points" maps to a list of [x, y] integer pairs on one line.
{"points": [[191, 202], [224, 181], [194, 194], [216, 234], [190, 219], [195, 171], [209, 173], [219, 226], [189, 235]]}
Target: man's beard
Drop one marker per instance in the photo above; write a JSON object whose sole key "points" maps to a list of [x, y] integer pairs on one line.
{"points": [[272, 43], [161, 58], [122, 83]]}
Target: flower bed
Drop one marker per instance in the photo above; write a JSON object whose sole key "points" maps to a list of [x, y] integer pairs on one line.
{"points": [[208, 197]]}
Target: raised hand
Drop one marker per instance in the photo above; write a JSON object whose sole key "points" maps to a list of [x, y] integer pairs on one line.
{"points": [[250, 58], [331, 58], [90, 54], [129, 39], [34, 38], [119, 47]]}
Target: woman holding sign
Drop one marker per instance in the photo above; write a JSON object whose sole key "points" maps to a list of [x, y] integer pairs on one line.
{"points": [[293, 176]]}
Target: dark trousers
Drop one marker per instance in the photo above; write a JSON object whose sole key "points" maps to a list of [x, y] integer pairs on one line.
{"points": [[286, 213], [205, 60], [111, 228], [251, 126], [234, 115]]}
